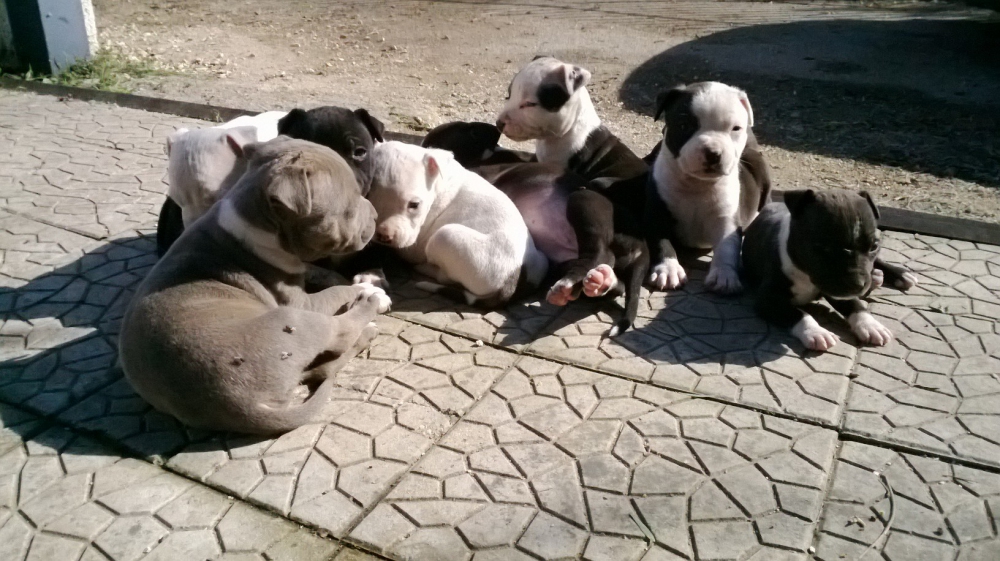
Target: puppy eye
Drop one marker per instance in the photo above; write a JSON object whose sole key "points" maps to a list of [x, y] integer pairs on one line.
{"points": [[873, 248], [528, 104], [414, 205], [737, 128], [360, 152]]}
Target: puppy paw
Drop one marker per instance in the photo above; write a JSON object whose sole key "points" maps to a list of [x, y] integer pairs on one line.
{"points": [[907, 281], [668, 275], [814, 336], [878, 278], [561, 293], [723, 280], [373, 278], [599, 281], [868, 330], [368, 334], [374, 296]]}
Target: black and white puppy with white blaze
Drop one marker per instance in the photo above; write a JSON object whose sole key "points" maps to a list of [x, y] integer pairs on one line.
{"points": [[548, 102], [709, 181]]}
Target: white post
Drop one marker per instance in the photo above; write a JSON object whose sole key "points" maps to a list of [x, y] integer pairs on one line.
{"points": [[50, 35]]}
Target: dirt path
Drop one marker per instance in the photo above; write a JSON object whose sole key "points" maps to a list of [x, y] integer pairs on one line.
{"points": [[901, 99]]}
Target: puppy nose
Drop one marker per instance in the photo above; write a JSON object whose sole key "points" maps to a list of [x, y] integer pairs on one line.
{"points": [[382, 237], [712, 157], [500, 124]]}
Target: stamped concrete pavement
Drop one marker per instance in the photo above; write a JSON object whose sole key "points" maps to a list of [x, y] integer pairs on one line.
{"points": [[514, 434]]}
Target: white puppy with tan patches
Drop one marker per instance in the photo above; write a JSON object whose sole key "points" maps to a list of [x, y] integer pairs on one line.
{"points": [[711, 180], [452, 224]]}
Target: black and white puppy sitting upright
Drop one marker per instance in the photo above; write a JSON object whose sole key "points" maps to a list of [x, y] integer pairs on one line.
{"points": [[710, 180], [816, 243], [548, 102]]}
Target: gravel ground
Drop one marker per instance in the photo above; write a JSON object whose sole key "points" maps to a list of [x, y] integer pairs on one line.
{"points": [[899, 98]]}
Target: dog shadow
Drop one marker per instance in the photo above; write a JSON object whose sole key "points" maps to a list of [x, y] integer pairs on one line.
{"points": [[58, 362], [922, 95]]}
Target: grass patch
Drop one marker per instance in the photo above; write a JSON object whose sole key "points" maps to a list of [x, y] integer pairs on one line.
{"points": [[110, 70]]}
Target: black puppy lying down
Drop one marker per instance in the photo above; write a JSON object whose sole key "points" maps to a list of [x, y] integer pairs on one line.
{"points": [[819, 244], [565, 220]]}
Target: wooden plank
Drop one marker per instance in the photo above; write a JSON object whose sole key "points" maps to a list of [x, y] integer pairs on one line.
{"points": [[925, 223]]}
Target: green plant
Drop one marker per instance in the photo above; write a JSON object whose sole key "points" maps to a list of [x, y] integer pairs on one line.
{"points": [[110, 70]]}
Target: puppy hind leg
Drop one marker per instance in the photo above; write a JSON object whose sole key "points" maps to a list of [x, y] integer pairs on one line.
{"points": [[592, 217], [470, 258], [895, 276]]}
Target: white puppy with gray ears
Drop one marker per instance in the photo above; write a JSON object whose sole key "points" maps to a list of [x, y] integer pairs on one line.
{"points": [[711, 181], [452, 224]]}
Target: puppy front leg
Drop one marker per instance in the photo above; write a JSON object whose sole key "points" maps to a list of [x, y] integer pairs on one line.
{"points": [[667, 272], [723, 274], [774, 306], [863, 324], [895, 276], [338, 299]]}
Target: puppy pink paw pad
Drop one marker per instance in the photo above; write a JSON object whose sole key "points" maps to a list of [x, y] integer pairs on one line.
{"points": [[599, 281], [560, 294]]}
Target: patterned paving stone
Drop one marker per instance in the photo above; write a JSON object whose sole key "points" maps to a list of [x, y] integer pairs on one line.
{"points": [[512, 327], [389, 408], [63, 496], [62, 296], [699, 342], [941, 511], [90, 168], [938, 386], [558, 462]]}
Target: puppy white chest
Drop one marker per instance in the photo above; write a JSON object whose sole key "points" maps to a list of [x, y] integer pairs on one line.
{"points": [[703, 214], [803, 289]]}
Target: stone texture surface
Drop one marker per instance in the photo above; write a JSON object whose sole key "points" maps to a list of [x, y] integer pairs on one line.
{"points": [[560, 462], [938, 510], [696, 341], [64, 496], [520, 433], [937, 387]]}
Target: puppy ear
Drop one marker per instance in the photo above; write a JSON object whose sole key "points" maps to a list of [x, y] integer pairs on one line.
{"points": [[174, 137], [238, 137], [556, 88], [578, 77], [745, 101], [665, 100], [290, 192], [434, 161], [871, 203], [293, 123], [798, 200], [432, 168], [374, 126]]}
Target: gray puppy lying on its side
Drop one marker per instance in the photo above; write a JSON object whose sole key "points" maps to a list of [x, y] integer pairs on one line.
{"points": [[221, 333]]}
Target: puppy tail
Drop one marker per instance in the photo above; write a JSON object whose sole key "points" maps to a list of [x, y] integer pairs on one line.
{"points": [[272, 420]]}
